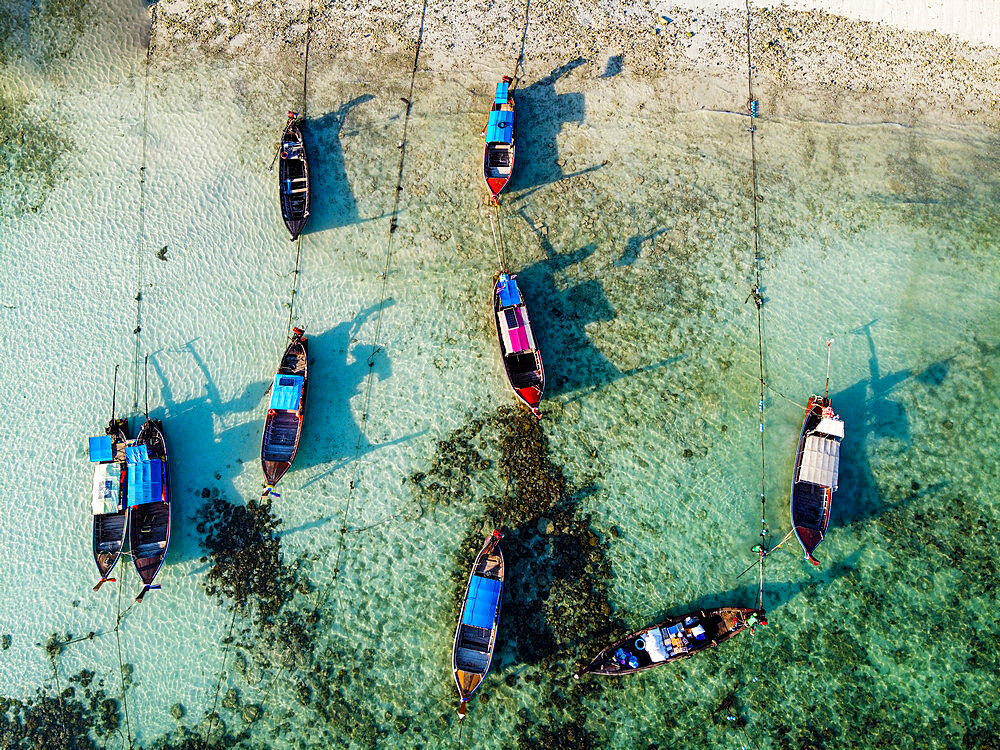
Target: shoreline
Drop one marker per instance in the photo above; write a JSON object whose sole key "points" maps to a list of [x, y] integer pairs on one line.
{"points": [[808, 63]]}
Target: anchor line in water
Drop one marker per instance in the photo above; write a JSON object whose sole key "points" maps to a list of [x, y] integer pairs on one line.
{"points": [[782, 395], [295, 285], [305, 105], [121, 662], [218, 684], [498, 240], [305, 62], [376, 347], [141, 237], [524, 36], [755, 295]]}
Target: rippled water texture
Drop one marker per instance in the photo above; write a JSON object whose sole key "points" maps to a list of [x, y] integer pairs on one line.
{"points": [[329, 620]]}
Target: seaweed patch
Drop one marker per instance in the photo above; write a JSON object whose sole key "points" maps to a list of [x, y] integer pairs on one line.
{"points": [[555, 594], [247, 566], [31, 148], [277, 651], [76, 717], [54, 26]]}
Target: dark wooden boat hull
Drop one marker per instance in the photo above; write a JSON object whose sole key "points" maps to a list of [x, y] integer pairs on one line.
{"points": [[283, 428], [810, 504], [719, 624], [110, 530], [529, 393], [472, 652], [149, 523], [293, 180]]}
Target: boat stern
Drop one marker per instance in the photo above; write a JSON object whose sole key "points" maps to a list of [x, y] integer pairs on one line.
{"points": [[532, 396]]}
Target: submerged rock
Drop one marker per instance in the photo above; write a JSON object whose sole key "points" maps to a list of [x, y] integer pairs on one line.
{"points": [[232, 700], [251, 712]]}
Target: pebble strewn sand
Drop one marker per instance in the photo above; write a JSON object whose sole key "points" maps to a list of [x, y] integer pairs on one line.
{"points": [[809, 63]]}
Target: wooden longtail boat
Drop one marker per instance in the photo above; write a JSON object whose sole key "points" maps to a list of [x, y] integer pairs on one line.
{"points": [[108, 499], [522, 361], [293, 178], [285, 412], [498, 156], [673, 639], [817, 468], [148, 496], [476, 635]]}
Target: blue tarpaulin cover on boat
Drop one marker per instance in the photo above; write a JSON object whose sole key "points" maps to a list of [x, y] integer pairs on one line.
{"points": [[135, 454], [481, 604], [500, 127], [502, 88], [100, 448], [287, 392], [509, 293], [145, 481]]}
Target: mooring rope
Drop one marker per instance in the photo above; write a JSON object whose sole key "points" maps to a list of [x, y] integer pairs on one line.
{"points": [[141, 242], [218, 685], [121, 662], [291, 313], [376, 348], [782, 395], [755, 295], [524, 36], [295, 285], [304, 109], [142, 209], [305, 62]]}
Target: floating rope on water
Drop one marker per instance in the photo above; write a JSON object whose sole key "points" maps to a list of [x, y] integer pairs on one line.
{"points": [[304, 110], [755, 295], [141, 238], [121, 662], [376, 348]]}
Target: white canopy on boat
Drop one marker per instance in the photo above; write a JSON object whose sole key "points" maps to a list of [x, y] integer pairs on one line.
{"points": [[820, 461], [832, 427], [107, 487], [654, 645]]}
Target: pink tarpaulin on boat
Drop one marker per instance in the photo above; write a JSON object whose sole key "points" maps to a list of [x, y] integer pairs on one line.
{"points": [[519, 340]]}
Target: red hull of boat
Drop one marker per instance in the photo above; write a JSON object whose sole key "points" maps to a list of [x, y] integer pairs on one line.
{"points": [[495, 185], [531, 396]]}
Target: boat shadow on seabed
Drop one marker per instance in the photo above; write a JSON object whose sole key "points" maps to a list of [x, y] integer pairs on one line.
{"points": [[340, 367], [333, 201], [200, 451], [543, 112], [573, 363], [535, 560], [871, 415]]}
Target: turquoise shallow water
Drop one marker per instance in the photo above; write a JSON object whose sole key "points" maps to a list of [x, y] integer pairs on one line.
{"points": [[629, 228]]}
